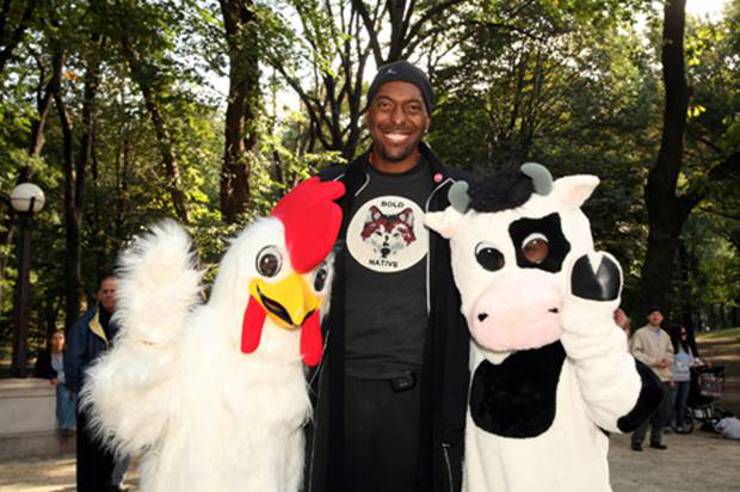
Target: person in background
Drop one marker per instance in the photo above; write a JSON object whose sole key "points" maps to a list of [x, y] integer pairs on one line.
{"points": [[89, 338], [686, 357], [624, 322], [652, 346], [50, 365]]}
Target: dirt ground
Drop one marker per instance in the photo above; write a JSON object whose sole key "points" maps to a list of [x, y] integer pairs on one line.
{"points": [[694, 462]]}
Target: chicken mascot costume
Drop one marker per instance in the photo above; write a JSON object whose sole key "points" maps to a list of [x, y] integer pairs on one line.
{"points": [[214, 395], [550, 370]]}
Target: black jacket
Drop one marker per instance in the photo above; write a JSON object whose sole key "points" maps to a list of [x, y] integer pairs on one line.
{"points": [[86, 341], [445, 377], [43, 367]]}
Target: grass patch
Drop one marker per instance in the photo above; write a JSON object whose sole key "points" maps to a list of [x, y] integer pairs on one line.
{"points": [[713, 335]]}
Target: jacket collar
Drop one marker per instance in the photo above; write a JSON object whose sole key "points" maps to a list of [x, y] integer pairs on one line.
{"points": [[356, 170], [96, 327]]}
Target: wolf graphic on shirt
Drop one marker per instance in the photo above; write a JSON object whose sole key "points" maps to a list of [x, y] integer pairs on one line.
{"points": [[388, 234]]}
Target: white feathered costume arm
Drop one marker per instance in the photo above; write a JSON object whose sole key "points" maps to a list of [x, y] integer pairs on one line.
{"points": [[129, 390]]}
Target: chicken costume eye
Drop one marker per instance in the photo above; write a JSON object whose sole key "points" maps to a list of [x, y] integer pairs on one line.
{"points": [[269, 261], [489, 257], [319, 279], [535, 248]]}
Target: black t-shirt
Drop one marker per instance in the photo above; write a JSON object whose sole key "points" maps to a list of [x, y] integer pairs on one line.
{"points": [[386, 300]]}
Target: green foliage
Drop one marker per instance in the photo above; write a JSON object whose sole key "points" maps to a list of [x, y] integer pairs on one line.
{"points": [[574, 86], [569, 83]]}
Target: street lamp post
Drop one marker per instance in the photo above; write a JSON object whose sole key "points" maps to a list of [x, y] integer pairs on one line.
{"points": [[26, 199]]}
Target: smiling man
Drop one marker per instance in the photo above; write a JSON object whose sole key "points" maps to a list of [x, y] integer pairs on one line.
{"points": [[391, 395]]}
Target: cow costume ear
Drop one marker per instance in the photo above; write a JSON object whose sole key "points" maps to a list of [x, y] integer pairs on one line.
{"points": [[459, 197], [445, 222], [573, 191]]}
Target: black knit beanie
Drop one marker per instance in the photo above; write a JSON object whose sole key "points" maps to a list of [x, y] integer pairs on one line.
{"points": [[406, 72]]}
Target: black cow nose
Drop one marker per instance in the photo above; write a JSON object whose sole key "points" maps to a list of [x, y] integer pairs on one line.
{"points": [[482, 316]]}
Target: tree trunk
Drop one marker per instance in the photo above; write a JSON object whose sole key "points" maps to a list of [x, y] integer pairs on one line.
{"points": [[242, 106], [74, 182], [667, 212], [685, 266], [164, 139], [36, 142], [71, 222]]}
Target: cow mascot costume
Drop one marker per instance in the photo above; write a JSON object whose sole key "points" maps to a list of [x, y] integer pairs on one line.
{"points": [[550, 370], [214, 395]]}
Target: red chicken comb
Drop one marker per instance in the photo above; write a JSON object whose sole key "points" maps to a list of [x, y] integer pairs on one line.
{"points": [[311, 220]]}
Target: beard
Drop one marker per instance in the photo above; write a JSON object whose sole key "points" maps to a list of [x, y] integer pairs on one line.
{"points": [[393, 154]]}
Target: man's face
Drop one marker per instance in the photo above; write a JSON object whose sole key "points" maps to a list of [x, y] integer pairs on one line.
{"points": [[397, 119], [655, 318], [107, 294]]}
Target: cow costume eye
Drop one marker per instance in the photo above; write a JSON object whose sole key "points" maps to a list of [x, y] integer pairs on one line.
{"points": [[269, 261], [535, 248], [489, 257]]}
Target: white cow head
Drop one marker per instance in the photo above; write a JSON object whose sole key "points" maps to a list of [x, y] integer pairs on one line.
{"points": [[511, 238]]}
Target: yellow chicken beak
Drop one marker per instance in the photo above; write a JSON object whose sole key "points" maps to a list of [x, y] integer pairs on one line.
{"points": [[288, 302]]}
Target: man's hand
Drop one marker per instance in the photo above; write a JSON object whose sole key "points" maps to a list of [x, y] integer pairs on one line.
{"points": [[54, 382], [664, 363], [620, 318]]}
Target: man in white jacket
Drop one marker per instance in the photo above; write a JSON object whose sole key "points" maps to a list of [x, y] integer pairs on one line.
{"points": [[652, 346]]}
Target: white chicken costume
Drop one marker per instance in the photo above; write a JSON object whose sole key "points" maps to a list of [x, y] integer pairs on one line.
{"points": [[550, 371], [214, 394]]}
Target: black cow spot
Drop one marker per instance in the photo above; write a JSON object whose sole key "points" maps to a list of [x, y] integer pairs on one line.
{"points": [[517, 397], [549, 227]]}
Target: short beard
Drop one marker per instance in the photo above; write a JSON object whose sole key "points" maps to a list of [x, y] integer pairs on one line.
{"points": [[380, 151]]}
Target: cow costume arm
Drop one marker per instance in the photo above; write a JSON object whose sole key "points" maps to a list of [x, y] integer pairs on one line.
{"points": [[618, 395]]}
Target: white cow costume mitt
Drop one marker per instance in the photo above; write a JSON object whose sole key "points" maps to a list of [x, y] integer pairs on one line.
{"points": [[550, 370]]}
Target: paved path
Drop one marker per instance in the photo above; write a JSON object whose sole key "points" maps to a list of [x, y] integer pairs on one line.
{"points": [[695, 462]]}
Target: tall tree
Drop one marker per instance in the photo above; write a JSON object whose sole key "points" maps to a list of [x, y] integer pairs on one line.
{"points": [[411, 23], [134, 35], [75, 171], [242, 105], [668, 209]]}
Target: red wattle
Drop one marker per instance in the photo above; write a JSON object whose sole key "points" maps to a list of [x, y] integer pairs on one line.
{"points": [[254, 319], [311, 343]]}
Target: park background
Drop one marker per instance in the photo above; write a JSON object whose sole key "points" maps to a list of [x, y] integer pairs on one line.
{"points": [[126, 111]]}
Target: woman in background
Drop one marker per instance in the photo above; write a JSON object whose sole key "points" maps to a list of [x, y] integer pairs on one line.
{"points": [[50, 365], [685, 358]]}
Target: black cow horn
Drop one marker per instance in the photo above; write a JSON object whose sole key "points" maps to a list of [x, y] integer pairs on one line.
{"points": [[540, 176], [458, 196]]}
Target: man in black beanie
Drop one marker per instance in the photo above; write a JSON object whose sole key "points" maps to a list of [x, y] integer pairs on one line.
{"points": [[391, 392]]}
